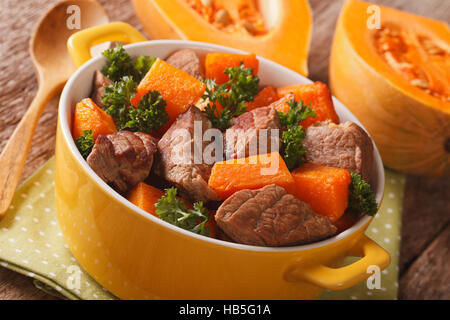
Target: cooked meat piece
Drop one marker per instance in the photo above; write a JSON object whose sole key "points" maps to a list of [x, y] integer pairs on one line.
{"points": [[123, 159], [188, 61], [344, 145], [271, 217], [176, 162], [98, 89], [242, 139]]}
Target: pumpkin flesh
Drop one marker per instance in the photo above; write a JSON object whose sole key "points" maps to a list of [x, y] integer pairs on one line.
{"points": [[285, 39], [232, 16], [379, 75]]}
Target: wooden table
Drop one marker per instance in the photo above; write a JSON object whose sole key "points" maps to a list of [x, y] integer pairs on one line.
{"points": [[424, 271]]}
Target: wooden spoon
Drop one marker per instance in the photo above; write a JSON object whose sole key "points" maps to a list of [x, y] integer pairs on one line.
{"points": [[53, 66]]}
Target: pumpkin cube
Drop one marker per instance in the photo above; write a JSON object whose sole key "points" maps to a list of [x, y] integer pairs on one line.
{"points": [[265, 97], [145, 197], [326, 189], [179, 89], [253, 172], [88, 116], [318, 95], [216, 63]]}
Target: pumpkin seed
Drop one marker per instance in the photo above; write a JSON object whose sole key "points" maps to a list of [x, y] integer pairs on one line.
{"points": [[222, 16], [385, 46], [207, 3], [419, 83], [435, 51], [405, 65], [390, 59], [250, 27]]}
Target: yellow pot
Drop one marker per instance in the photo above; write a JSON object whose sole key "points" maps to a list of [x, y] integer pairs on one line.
{"points": [[137, 256]]}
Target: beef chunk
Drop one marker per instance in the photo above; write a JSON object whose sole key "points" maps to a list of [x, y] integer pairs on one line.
{"points": [[344, 145], [242, 139], [176, 162], [271, 217], [123, 159], [98, 89], [188, 61]]}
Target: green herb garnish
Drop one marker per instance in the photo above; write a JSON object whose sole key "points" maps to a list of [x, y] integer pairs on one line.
{"points": [[116, 100], [120, 64], [231, 96], [85, 143], [362, 197], [292, 144], [174, 211], [142, 65], [297, 113], [293, 136], [149, 115]]}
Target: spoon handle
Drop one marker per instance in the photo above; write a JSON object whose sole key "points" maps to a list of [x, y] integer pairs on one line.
{"points": [[13, 156]]}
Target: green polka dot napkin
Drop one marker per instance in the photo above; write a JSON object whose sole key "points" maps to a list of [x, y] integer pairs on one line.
{"points": [[32, 244]]}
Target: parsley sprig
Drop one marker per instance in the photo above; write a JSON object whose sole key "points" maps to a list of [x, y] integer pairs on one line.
{"points": [[293, 149], [293, 136], [174, 211], [362, 197], [149, 115], [141, 66], [120, 64], [227, 100], [297, 113], [116, 100], [85, 143]]}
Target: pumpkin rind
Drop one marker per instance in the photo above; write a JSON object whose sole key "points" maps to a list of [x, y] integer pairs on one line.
{"points": [[286, 42], [410, 128]]}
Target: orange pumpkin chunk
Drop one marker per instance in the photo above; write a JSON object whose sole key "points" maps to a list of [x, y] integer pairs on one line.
{"points": [[179, 89], [326, 189], [253, 172], [145, 197], [88, 116], [216, 63], [318, 95], [265, 97]]}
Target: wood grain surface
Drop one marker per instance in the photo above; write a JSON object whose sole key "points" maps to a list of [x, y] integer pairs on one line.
{"points": [[424, 272]]}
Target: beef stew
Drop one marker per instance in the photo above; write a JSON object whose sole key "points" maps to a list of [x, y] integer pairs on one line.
{"points": [[183, 144]]}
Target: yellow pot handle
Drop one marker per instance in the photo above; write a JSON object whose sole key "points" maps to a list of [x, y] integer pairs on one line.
{"points": [[80, 43], [345, 277]]}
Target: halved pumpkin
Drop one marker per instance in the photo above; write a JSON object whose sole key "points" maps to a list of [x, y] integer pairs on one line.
{"points": [[288, 26], [396, 80]]}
